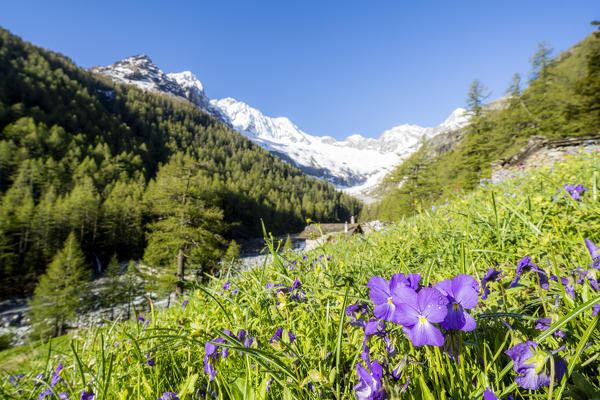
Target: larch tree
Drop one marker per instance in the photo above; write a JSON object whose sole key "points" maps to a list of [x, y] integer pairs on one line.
{"points": [[186, 228], [58, 292]]}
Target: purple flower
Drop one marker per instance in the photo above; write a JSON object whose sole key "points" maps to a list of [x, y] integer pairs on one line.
{"points": [[44, 394], [594, 253], [357, 312], [490, 276], [86, 395], [277, 335], [544, 323], [185, 303], [63, 396], [525, 265], [168, 396], [292, 337], [226, 286], [12, 379], [369, 383], [461, 293], [595, 309], [150, 361], [489, 395], [55, 379], [570, 289], [531, 365], [141, 319], [381, 293], [575, 190], [418, 311]]}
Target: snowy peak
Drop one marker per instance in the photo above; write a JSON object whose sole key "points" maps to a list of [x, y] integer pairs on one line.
{"points": [[140, 71], [356, 164], [253, 124]]}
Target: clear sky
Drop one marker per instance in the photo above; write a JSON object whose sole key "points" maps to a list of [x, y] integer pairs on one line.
{"points": [[333, 67]]}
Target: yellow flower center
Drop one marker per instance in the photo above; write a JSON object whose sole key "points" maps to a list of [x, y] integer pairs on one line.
{"points": [[389, 300], [455, 306], [422, 320]]}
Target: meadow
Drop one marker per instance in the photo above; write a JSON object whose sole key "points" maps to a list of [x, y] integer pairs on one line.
{"points": [[492, 294]]}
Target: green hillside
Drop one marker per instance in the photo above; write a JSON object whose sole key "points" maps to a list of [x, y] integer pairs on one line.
{"points": [[305, 326], [562, 99], [77, 154]]}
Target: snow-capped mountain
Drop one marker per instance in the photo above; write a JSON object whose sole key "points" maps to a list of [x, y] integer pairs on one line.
{"points": [[355, 165]]}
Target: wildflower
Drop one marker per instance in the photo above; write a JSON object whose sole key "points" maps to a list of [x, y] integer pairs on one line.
{"points": [[168, 396], [63, 396], [356, 312], [86, 395], [185, 303], [489, 395], [569, 288], [277, 335], [417, 312], [490, 276], [369, 383], [210, 353], [14, 378], [461, 293], [595, 309], [381, 293], [141, 319], [150, 361], [292, 337], [44, 394], [594, 253], [531, 365], [524, 265], [575, 191], [544, 323]]}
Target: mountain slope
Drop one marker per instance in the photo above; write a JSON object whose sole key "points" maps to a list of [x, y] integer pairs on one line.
{"points": [[356, 164], [561, 102], [78, 151]]}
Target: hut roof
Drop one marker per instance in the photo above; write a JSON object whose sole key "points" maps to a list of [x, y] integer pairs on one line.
{"points": [[317, 230]]}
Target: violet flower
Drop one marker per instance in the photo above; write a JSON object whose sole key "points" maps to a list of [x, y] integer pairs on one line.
{"points": [[14, 378], [532, 366], [381, 293], [86, 395], [576, 191], [169, 396], [569, 288], [277, 335], [461, 293], [357, 312], [369, 383], [594, 253], [595, 309], [417, 312], [491, 275], [150, 361], [489, 395], [544, 323], [525, 265], [185, 303]]}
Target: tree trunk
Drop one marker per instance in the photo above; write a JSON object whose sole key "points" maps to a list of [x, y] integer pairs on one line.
{"points": [[179, 275]]}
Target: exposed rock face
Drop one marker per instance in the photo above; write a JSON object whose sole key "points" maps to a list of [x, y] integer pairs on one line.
{"points": [[356, 164]]}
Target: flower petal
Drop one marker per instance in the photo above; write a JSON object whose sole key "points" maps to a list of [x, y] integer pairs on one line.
{"points": [[465, 289], [432, 304], [424, 333], [405, 315], [380, 290]]}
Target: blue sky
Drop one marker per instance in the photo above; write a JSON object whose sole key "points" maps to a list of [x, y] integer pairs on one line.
{"points": [[333, 67]]}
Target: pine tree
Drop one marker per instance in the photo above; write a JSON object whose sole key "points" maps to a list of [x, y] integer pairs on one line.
{"points": [[232, 254], [113, 291], [288, 244], [186, 227], [476, 96], [57, 295]]}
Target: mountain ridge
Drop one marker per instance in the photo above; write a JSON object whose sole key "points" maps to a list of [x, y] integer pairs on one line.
{"points": [[356, 164]]}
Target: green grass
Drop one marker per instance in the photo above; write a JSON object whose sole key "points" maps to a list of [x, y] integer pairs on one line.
{"points": [[468, 234]]}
